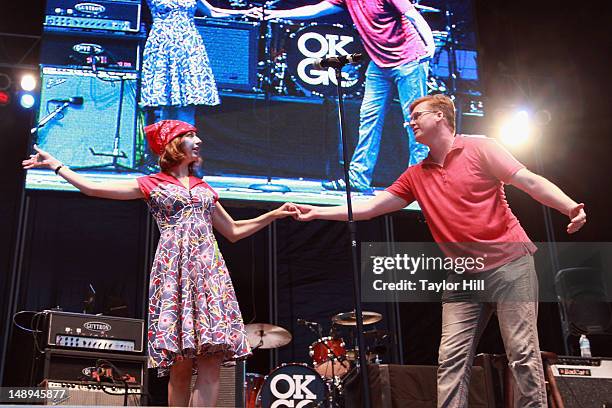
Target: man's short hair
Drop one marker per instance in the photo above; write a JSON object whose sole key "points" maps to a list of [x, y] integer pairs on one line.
{"points": [[440, 103]]}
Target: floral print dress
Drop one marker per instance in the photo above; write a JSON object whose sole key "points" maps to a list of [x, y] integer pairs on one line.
{"points": [[192, 305], [175, 66]]}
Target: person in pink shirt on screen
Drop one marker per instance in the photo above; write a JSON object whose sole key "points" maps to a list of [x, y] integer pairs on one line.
{"points": [[400, 43], [460, 188]]}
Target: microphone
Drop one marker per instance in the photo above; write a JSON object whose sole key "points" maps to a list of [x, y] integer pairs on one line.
{"points": [[307, 323], [75, 100], [337, 62]]}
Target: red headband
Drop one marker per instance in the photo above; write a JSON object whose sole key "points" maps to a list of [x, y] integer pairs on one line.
{"points": [[161, 133]]}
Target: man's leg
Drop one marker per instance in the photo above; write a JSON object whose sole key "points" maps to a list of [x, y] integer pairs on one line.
{"points": [[518, 323], [411, 82], [376, 98], [462, 326]]}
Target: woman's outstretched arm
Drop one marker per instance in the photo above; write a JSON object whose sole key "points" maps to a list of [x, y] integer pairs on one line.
{"points": [[115, 190]]}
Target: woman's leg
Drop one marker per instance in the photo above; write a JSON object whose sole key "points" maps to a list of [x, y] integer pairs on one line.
{"points": [[206, 388], [180, 381]]}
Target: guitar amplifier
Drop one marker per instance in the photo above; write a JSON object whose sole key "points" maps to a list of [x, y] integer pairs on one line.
{"points": [[583, 382], [111, 15], [94, 333], [232, 51], [73, 371], [82, 393], [74, 48]]}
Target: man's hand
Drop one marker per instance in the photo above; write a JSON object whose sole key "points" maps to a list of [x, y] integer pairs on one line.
{"points": [[306, 212], [577, 216]]}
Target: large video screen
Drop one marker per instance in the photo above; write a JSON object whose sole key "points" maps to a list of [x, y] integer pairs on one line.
{"points": [[274, 135]]}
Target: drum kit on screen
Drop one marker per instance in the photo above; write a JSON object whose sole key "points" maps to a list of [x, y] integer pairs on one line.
{"points": [[334, 363], [289, 50]]}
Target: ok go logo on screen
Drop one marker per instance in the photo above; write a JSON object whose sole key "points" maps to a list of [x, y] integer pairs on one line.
{"points": [[297, 390], [314, 46]]}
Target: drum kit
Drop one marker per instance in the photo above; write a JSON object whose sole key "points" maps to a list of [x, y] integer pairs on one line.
{"points": [[333, 364], [289, 49]]}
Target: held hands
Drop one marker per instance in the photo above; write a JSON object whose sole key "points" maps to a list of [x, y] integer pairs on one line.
{"points": [[299, 212], [577, 216], [41, 159], [306, 212], [286, 210]]}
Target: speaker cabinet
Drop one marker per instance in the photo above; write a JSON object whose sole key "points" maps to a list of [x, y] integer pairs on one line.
{"points": [[91, 394], [232, 51], [85, 135], [70, 370], [414, 386], [582, 382]]}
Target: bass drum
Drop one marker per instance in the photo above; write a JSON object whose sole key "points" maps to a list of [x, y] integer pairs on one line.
{"points": [[316, 41], [293, 385]]}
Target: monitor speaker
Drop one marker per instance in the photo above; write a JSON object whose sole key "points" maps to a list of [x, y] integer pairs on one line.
{"points": [[89, 134], [414, 386], [582, 382]]}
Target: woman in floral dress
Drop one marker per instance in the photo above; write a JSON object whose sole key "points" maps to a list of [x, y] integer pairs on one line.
{"points": [[194, 318], [176, 73]]}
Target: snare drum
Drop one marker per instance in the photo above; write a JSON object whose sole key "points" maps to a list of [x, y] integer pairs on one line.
{"points": [[293, 385], [329, 357], [252, 386], [316, 41]]}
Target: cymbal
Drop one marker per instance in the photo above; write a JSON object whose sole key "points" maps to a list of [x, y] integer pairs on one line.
{"points": [[267, 336], [349, 318]]}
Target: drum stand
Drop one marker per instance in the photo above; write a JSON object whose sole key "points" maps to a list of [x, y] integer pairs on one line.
{"points": [[266, 34], [331, 357], [363, 367]]}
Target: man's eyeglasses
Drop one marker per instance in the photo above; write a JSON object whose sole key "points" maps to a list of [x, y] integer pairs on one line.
{"points": [[417, 115]]}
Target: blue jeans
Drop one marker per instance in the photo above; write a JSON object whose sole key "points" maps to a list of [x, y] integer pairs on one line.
{"points": [[411, 82]]}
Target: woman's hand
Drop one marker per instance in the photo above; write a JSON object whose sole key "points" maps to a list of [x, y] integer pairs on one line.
{"points": [[41, 159], [286, 210]]}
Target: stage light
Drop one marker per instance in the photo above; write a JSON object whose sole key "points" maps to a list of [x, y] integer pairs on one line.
{"points": [[5, 98], [516, 130], [27, 100], [28, 82]]}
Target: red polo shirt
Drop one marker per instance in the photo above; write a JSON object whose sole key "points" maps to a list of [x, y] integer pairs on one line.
{"points": [[386, 33], [464, 201]]}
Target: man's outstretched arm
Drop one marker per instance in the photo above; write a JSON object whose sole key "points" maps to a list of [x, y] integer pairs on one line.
{"points": [[383, 203], [550, 195]]}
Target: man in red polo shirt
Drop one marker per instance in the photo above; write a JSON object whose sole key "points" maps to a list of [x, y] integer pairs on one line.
{"points": [[460, 188]]}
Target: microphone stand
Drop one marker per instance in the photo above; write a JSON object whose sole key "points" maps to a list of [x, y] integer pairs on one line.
{"points": [[49, 117], [266, 34], [365, 380]]}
